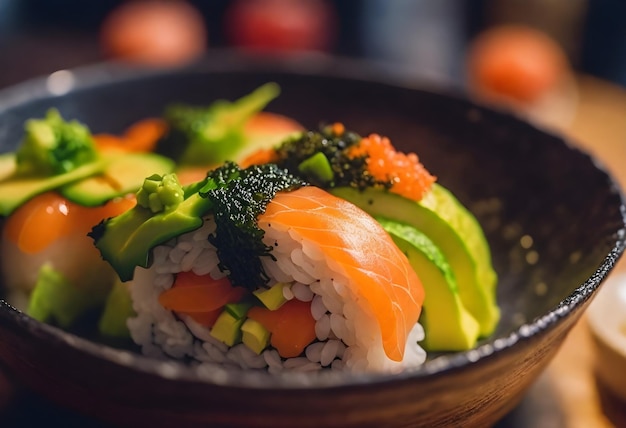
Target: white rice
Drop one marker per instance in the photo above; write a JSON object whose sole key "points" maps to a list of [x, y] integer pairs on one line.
{"points": [[348, 337]]}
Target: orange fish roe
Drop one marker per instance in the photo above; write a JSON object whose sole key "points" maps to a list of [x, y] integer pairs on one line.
{"points": [[408, 176]]}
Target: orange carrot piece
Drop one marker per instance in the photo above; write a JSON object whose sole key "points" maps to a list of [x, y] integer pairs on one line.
{"points": [[188, 175], [143, 135], [206, 319], [109, 142], [192, 293], [260, 157], [292, 326], [271, 123]]}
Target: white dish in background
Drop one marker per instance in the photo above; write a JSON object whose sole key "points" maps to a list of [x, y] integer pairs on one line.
{"points": [[607, 320]]}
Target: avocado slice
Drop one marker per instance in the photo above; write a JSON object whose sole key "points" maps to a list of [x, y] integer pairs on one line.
{"points": [[254, 335], [8, 165], [272, 298], [454, 230], [448, 324], [238, 310], [16, 189], [56, 299], [138, 230], [117, 310], [124, 174], [227, 328]]}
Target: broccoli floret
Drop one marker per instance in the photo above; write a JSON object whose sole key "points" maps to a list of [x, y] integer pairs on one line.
{"points": [[53, 146], [160, 193], [302, 156], [211, 135]]}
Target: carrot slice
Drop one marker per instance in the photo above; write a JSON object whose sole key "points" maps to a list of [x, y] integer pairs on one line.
{"points": [[292, 326], [143, 135], [188, 175], [192, 293], [260, 157], [109, 142], [206, 319], [270, 123]]}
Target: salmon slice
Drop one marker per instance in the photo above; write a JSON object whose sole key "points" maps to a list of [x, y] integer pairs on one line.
{"points": [[380, 275]]}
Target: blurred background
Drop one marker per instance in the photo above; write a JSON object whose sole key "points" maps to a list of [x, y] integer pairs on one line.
{"points": [[429, 37], [561, 63], [519, 53]]}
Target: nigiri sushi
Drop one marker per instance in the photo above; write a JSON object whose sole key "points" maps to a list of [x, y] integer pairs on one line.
{"points": [[255, 269], [60, 181]]}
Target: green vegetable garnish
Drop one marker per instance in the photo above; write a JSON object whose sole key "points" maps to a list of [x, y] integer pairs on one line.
{"points": [[54, 146], [211, 135], [55, 299], [160, 193]]}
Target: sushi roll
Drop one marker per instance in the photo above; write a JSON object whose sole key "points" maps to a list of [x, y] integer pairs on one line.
{"points": [[255, 269]]}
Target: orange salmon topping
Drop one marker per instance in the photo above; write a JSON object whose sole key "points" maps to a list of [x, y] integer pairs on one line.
{"points": [[292, 326], [408, 176], [48, 217]]}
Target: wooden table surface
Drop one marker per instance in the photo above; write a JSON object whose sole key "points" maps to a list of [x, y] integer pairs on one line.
{"points": [[599, 127]]}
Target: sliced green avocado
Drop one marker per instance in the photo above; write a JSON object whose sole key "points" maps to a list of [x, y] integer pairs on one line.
{"points": [[454, 230], [238, 310], [272, 298], [124, 174], [16, 189], [117, 310], [255, 336], [55, 299], [448, 324], [8, 165], [138, 230], [227, 328]]}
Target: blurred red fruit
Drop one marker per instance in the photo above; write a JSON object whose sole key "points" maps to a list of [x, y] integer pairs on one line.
{"points": [[515, 61], [281, 25]]}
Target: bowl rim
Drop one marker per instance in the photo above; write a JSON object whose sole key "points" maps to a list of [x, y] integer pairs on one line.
{"points": [[102, 74]]}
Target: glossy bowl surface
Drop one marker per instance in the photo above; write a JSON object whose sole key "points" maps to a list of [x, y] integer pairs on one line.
{"points": [[552, 215]]}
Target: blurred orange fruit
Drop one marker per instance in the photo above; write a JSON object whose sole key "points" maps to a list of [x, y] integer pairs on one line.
{"points": [[515, 61], [154, 32]]}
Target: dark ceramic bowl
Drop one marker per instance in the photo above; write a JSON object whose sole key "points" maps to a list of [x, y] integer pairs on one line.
{"points": [[524, 185]]}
